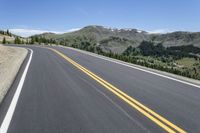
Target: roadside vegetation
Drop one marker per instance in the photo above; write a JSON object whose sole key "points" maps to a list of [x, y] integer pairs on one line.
{"points": [[180, 60]]}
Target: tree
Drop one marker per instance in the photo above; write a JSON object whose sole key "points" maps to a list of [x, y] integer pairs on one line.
{"points": [[8, 33], [32, 40], [147, 48], [22, 42], [17, 40], [27, 41], [4, 40]]}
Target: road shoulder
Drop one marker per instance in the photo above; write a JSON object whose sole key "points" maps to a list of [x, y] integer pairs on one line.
{"points": [[11, 59]]}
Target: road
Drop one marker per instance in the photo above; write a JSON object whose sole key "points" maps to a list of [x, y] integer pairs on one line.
{"points": [[69, 91]]}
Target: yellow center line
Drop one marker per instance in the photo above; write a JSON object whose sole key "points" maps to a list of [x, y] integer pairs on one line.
{"points": [[159, 120]]}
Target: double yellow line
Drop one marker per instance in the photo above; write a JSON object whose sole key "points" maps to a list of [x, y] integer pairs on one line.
{"points": [[159, 120]]}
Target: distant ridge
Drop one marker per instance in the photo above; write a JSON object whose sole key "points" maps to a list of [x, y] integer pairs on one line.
{"points": [[117, 40]]}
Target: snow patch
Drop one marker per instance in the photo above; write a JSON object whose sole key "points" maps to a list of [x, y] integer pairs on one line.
{"points": [[160, 31]]}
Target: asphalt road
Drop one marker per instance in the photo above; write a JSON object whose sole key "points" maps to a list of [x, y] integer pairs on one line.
{"points": [[57, 97]]}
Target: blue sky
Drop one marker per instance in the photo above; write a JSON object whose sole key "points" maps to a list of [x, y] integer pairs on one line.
{"points": [[62, 15]]}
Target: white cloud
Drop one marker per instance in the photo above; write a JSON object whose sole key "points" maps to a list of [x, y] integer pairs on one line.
{"points": [[160, 31], [72, 30], [30, 32]]}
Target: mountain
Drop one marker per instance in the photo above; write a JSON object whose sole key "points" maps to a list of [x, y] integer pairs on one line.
{"points": [[178, 39], [117, 40]]}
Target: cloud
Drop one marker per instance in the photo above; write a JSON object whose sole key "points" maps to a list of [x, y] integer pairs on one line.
{"points": [[72, 30], [30, 32], [160, 31]]}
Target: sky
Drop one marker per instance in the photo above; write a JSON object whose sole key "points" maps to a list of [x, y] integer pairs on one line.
{"points": [[27, 17]]}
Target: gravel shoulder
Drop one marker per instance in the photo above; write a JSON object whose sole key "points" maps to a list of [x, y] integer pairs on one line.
{"points": [[11, 58]]}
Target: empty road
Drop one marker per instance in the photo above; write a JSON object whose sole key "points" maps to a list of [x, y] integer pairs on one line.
{"points": [[67, 91]]}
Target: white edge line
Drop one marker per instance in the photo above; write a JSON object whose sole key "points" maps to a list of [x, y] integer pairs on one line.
{"points": [[124, 64], [8, 117]]}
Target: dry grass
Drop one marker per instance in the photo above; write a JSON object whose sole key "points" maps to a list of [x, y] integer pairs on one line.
{"points": [[11, 59], [8, 38]]}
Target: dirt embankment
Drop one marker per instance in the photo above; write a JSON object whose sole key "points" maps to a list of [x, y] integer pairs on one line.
{"points": [[11, 58]]}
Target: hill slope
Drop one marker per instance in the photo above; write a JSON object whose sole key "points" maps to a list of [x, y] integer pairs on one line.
{"points": [[10, 37], [117, 40], [7, 35]]}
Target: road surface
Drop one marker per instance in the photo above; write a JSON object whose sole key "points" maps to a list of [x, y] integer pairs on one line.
{"points": [[66, 91]]}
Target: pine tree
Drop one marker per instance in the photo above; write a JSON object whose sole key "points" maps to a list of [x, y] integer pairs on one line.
{"points": [[4, 40], [17, 40], [27, 41], [32, 40], [8, 33]]}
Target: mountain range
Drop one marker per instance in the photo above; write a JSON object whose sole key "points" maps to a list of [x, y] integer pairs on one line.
{"points": [[117, 40]]}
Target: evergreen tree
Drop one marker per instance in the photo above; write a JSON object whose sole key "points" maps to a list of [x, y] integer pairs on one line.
{"points": [[32, 40], [27, 41], [8, 33], [4, 40], [17, 40], [22, 42]]}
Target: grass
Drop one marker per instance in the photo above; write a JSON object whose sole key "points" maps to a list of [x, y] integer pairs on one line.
{"points": [[152, 60], [187, 62]]}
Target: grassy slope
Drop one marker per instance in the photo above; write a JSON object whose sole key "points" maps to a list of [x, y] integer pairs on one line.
{"points": [[8, 38], [117, 40]]}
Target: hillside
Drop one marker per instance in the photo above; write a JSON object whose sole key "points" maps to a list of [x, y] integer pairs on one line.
{"points": [[7, 35], [10, 38], [178, 39], [117, 40]]}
